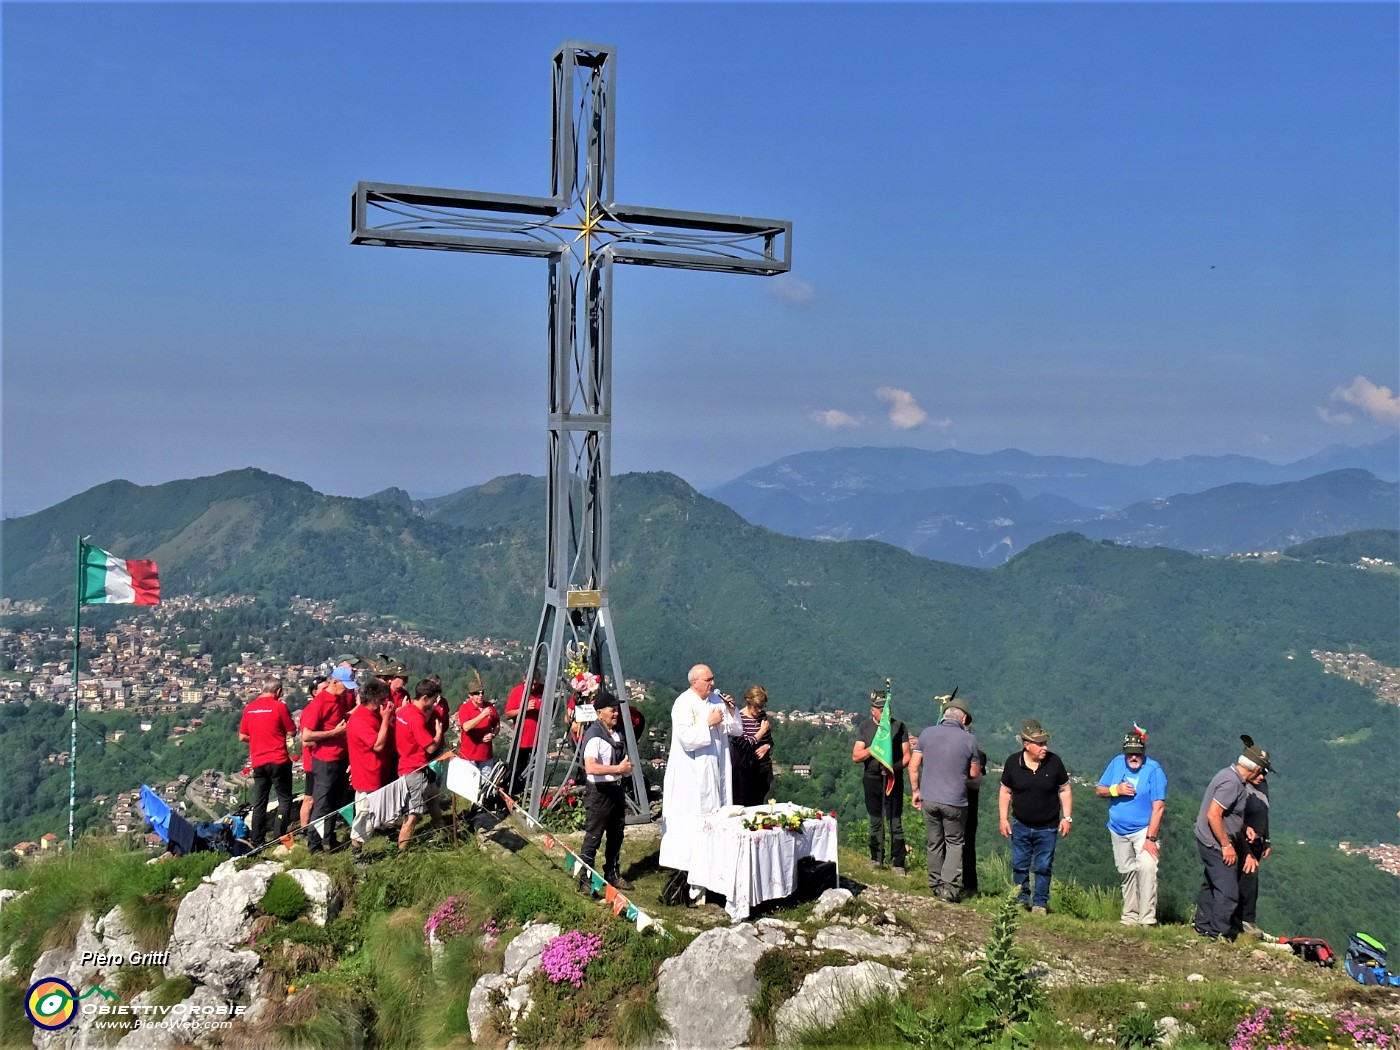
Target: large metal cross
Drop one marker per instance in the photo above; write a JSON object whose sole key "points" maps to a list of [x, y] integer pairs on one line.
{"points": [[581, 231]]}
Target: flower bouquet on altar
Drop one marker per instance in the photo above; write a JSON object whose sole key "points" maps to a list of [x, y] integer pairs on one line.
{"points": [[787, 817]]}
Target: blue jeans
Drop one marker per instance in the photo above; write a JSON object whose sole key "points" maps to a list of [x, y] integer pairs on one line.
{"points": [[1032, 852]]}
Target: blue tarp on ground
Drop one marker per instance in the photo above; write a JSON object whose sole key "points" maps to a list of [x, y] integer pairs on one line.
{"points": [[157, 812], [169, 825]]}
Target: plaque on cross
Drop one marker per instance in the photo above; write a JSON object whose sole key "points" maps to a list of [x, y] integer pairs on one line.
{"points": [[580, 230]]}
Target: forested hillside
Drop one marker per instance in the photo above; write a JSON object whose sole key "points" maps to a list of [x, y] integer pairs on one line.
{"points": [[1088, 637]]}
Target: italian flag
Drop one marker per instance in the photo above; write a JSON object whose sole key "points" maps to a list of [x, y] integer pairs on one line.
{"points": [[106, 579]]}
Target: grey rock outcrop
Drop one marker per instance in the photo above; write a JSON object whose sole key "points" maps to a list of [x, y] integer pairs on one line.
{"points": [[830, 902], [8, 895], [862, 942], [7, 966], [489, 991], [827, 994], [523, 953], [775, 932], [214, 919], [1170, 1031], [509, 991], [704, 993], [323, 902], [115, 934]]}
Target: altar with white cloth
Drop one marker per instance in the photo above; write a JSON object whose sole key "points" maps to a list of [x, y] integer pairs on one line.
{"points": [[750, 866]]}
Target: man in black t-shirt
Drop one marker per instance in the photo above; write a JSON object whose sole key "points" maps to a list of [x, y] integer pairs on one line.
{"points": [[1035, 804], [884, 801]]}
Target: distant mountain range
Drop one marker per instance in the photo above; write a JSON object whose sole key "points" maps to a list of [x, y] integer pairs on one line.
{"points": [[975, 509], [1085, 635]]}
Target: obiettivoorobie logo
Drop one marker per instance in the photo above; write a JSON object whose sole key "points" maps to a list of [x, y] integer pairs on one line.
{"points": [[52, 1003]]}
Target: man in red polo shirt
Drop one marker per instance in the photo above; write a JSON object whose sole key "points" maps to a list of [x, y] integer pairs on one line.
{"points": [[417, 744], [437, 713], [323, 731], [396, 674], [307, 772], [368, 737], [264, 727], [529, 730], [479, 720]]}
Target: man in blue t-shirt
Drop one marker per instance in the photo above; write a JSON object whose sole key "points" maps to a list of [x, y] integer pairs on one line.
{"points": [[1137, 788]]}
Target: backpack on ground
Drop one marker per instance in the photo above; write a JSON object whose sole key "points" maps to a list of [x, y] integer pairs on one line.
{"points": [[1313, 950], [1366, 961], [677, 889]]}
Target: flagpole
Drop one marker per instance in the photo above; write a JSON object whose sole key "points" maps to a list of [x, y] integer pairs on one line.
{"points": [[73, 731]]}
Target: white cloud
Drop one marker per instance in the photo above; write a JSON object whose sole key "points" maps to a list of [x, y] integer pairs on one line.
{"points": [[792, 290], [1378, 402], [1336, 419], [834, 419], [905, 413]]}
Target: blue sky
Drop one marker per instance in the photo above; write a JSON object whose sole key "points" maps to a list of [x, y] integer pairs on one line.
{"points": [[1116, 230]]}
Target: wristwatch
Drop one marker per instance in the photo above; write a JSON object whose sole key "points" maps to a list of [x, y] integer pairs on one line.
{"points": [[1068, 820], [1151, 838]]}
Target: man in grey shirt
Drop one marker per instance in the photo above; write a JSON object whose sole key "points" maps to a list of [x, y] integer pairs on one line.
{"points": [[1219, 824], [943, 762]]}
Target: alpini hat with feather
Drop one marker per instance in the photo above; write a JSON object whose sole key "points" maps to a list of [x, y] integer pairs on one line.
{"points": [[950, 702], [1256, 754], [1135, 743]]}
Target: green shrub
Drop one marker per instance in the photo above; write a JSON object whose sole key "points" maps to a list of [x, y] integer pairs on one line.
{"points": [[998, 1008], [1137, 1031], [531, 898], [150, 918], [172, 990], [130, 981], [1091, 903], [317, 1017], [1005, 997], [15, 1029], [284, 898], [401, 972], [638, 1022], [624, 973], [173, 877], [778, 979], [347, 932]]}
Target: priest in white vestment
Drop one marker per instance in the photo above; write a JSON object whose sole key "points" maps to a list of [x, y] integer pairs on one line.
{"points": [[698, 769]]}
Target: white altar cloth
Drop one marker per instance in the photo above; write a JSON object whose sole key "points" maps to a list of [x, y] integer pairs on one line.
{"points": [[750, 867]]}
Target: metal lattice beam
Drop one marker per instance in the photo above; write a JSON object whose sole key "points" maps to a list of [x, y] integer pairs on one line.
{"points": [[581, 231]]}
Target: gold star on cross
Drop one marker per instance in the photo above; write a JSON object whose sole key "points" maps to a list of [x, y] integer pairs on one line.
{"points": [[592, 226]]}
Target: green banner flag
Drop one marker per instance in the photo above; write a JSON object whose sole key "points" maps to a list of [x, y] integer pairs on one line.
{"points": [[882, 747]]}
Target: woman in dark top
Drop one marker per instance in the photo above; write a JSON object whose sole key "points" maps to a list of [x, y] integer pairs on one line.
{"points": [[753, 763]]}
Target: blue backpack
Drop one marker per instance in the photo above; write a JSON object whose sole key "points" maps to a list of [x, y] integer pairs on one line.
{"points": [[1366, 961]]}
